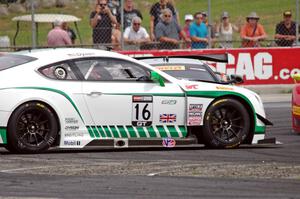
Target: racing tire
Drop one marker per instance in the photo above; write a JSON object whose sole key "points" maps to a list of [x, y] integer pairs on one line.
{"points": [[226, 124], [32, 128]]}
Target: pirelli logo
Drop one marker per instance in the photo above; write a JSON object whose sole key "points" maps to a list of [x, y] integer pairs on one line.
{"points": [[296, 110]]}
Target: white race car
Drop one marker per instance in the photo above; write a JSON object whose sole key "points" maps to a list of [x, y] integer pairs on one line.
{"points": [[79, 98]]}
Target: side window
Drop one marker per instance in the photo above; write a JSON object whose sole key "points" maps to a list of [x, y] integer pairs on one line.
{"points": [[107, 69], [60, 71]]}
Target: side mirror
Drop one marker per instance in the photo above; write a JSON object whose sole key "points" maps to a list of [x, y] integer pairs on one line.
{"points": [[154, 76], [236, 79], [296, 77]]}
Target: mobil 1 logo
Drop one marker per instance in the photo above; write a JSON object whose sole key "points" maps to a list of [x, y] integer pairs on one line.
{"points": [[142, 109]]}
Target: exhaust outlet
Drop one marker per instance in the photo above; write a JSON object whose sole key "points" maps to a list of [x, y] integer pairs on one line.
{"points": [[121, 143]]}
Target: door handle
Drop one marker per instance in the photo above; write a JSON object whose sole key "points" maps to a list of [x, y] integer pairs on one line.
{"points": [[94, 93]]}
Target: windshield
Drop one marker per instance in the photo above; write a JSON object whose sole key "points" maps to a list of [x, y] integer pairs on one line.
{"points": [[194, 72], [11, 60]]}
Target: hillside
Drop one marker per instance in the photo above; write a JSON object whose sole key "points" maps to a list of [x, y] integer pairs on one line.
{"points": [[270, 12]]}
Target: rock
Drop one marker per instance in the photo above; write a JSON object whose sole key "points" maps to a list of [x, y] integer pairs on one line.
{"points": [[48, 3], [62, 3], [16, 8], [3, 11]]}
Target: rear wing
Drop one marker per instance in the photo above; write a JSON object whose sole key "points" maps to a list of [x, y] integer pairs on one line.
{"points": [[209, 57]]}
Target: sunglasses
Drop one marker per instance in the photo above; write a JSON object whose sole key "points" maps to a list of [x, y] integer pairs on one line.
{"points": [[102, 4], [167, 15], [136, 24]]}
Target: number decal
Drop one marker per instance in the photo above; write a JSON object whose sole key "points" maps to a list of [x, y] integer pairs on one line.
{"points": [[142, 110]]}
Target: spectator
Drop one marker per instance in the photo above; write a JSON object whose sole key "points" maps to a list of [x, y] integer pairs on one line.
{"points": [[209, 27], [176, 16], [129, 13], [198, 32], [70, 32], [116, 37], [101, 21], [188, 20], [168, 31], [136, 34], [155, 13], [225, 31], [286, 30], [114, 6], [252, 32], [57, 36]]}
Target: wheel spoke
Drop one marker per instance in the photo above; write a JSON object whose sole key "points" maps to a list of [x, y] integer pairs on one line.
{"points": [[36, 139], [233, 132], [233, 125]]}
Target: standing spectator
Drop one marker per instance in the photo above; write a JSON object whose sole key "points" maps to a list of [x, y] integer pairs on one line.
{"points": [[101, 21], [114, 6], [70, 31], [176, 16], [198, 32], [136, 35], [225, 31], [155, 13], [252, 32], [188, 19], [129, 13], [168, 31], [57, 36], [286, 30], [209, 27], [116, 37]]}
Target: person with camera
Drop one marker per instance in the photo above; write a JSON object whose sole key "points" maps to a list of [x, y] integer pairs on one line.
{"points": [[101, 20]]}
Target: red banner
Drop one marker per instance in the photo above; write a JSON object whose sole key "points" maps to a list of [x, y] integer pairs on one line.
{"points": [[256, 65]]}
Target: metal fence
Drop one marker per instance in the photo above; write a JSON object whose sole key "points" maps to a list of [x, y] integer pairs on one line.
{"points": [[149, 24]]}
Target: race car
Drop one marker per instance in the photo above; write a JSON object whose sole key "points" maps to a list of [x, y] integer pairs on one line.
{"points": [[193, 68], [296, 104], [77, 98]]}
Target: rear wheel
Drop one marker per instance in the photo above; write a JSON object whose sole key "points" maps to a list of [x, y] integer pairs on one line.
{"points": [[32, 128], [226, 124]]}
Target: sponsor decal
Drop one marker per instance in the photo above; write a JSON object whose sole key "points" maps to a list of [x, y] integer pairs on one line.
{"points": [[191, 87], [142, 99], [80, 54], [142, 108], [167, 118], [71, 120], [224, 88], [71, 128], [164, 68], [169, 142], [296, 110], [74, 134], [71, 142], [194, 115], [169, 102]]}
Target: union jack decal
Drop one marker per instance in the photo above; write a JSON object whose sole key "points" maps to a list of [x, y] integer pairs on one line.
{"points": [[167, 118]]}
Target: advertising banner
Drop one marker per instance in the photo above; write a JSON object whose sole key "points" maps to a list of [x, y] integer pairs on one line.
{"points": [[255, 65]]}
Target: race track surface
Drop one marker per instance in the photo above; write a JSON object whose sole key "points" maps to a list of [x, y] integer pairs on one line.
{"points": [[189, 172]]}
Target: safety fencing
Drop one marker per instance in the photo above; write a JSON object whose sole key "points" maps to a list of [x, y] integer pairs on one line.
{"points": [[112, 18]]}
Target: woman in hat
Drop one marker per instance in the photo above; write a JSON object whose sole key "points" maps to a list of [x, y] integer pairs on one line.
{"points": [[225, 31], [252, 32]]}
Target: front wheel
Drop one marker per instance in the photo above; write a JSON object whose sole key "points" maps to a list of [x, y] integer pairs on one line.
{"points": [[32, 128], [226, 124]]}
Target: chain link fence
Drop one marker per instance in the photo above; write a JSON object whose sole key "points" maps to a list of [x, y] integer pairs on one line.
{"points": [[148, 24]]}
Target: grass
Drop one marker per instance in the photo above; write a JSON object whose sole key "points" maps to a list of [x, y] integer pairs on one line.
{"points": [[270, 12]]}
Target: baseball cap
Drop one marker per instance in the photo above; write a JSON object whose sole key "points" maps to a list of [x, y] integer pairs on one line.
{"points": [[225, 15], [188, 17], [287, 13]]}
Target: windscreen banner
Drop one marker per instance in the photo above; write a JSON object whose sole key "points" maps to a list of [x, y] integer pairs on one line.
{"points": [[255, 65]]}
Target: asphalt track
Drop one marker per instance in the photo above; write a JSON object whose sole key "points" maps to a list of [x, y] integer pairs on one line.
{"points": [[190, 172]]}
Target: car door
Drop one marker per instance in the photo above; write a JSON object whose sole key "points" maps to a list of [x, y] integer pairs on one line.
{"points": [[123, 105]]}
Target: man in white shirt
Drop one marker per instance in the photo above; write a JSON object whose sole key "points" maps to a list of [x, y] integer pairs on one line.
{"points": [[135, 34]]}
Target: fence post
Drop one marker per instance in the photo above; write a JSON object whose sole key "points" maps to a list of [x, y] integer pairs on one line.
{"points": [[122, 24], [33, 27], [297, 22], [209, 24]]}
